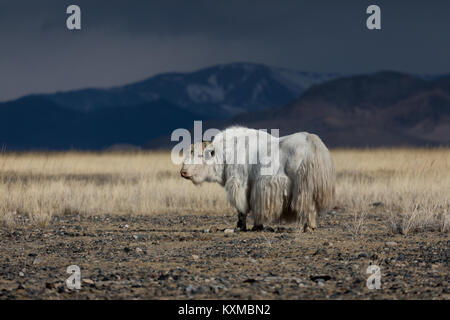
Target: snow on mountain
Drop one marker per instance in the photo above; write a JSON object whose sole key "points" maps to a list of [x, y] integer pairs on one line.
{"points": [[220, 91]]}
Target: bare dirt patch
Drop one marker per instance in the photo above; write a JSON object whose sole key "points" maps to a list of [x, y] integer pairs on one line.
{"points": [[190, 257]]}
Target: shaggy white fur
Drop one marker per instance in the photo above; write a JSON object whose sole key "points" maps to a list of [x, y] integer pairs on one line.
{"points": [[300, 185]]}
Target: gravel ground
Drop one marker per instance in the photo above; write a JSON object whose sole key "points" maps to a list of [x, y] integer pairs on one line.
{"points": [[194, 257]]}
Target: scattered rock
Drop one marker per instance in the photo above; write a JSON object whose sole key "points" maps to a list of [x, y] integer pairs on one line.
{"points": [[320, 251], [213, 229], [320, 278], [228, 231], [320, 282], [391, 244], [138, 250], [250, 280], [190, 289], [377, 204], [241, 266], [138, 237], [88, 281], [163, 277], [401, 257]]}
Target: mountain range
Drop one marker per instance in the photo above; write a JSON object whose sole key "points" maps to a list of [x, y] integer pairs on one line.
{"points": [[137, 113], [383, 108], [380, 109], [216, 92]]}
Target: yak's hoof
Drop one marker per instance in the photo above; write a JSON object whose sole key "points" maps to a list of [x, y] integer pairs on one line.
{"points": [[258, 228], [308, 229], [241, 226]]}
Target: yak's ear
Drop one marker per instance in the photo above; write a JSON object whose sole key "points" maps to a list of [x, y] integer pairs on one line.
{"points": [[205, 144]]}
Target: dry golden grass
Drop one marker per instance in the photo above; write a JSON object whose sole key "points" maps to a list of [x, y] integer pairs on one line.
{"points": [[413, 186]]}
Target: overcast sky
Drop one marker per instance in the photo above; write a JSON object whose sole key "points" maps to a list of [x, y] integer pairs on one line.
{"points": [[128, 40]]}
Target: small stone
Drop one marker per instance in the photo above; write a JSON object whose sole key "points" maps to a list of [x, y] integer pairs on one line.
{"points": [[190, 289], [252, 260], [206, 231], [126, 226], [320, 278], [391, 243], [88, 281], [195, 257], [250, 280], [320, 282], [320, 251], [228, 231], [138, 250], [21, 274], [213, 229], [37, 260], [377, 204]]}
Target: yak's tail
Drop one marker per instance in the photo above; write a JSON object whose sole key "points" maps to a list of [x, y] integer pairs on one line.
{"points": [[314, 190]]}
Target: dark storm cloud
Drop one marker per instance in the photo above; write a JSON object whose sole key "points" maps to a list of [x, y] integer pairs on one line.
{"points": [[123, 41]]}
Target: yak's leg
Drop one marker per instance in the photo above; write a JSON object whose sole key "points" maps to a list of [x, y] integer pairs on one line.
{"points": [[258, 227], [311, 223], [257, 223], [242, 221]]}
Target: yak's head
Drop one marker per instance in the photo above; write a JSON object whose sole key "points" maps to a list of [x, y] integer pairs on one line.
{"points": [[200, 164]]}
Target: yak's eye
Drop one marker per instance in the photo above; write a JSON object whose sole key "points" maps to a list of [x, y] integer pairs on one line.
{"points": [[209, 154]]}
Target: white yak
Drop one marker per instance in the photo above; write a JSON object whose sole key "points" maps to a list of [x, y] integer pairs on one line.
{"points": [[287, 179]]}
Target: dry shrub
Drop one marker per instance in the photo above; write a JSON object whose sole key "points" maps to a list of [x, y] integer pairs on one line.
{"points": [[8, 219], [357, 224]]}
